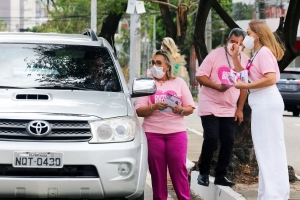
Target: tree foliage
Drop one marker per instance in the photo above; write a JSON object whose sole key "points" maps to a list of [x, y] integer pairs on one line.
{"points": [[2, 25], [69, 16]]}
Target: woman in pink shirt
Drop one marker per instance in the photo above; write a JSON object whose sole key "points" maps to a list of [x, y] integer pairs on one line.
{"points": [[165, 128], [267, 110]]}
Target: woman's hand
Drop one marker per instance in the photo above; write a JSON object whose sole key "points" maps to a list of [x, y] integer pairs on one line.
{"points": [[160, 106], [240, 85], [235, 50], [176, 109]]}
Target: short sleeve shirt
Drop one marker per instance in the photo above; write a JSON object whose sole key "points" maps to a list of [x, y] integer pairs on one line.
{"points": [[264, 62], [166, 122], [212, 102]]}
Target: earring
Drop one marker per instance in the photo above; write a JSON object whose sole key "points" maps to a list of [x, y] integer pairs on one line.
{"points": [[168, 73]]}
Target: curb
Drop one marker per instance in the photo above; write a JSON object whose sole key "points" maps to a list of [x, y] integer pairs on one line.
{"points": [[213, 192], [189, 164]]}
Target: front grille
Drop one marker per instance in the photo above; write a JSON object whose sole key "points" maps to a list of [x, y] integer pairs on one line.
{"points": [[61, 131], [68, 171]]}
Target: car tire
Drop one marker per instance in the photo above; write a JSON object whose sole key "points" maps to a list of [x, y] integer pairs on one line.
{"points": [[296, 113]]}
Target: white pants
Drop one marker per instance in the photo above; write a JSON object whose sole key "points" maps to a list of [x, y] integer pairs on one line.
{"points": [[268, 138]]}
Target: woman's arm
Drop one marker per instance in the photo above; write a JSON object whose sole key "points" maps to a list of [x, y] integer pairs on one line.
{"points": [[146, 111], [267, 80], [187, 110]]}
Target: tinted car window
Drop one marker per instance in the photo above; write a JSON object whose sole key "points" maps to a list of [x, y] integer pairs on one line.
{"points": [[290, 75], [35, 65]]}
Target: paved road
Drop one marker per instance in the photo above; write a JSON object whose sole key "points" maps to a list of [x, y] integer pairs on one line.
{"points": [[292, 140]]}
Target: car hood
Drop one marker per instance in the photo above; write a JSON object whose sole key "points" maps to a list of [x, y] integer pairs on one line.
{"points": [[92, 103]]}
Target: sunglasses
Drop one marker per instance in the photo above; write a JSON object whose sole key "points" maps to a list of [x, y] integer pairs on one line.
{"points": [[157, 63]]}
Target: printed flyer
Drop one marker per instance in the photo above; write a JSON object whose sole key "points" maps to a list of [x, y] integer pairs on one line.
{"points": [[172, 101]]}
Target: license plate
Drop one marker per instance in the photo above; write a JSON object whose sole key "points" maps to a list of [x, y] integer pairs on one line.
{"points": [[288, 87], [38, 159]]}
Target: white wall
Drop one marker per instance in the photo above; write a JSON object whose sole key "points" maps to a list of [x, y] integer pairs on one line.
{"points": [[29, 13], [14, 24]]}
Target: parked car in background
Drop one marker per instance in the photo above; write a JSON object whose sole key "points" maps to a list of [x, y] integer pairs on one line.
{"points": [[68, 128], [289, 87]]}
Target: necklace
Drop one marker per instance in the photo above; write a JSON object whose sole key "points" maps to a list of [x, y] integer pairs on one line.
{"points": [[160, 81]]}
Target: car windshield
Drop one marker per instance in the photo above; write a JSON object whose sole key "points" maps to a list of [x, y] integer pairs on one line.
{"points": [[57, 66], [290, 75]]}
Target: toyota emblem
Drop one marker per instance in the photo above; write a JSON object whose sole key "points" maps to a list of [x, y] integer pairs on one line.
{"points": [[38, 128]]}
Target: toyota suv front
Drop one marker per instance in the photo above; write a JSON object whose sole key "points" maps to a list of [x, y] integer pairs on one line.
{"points": [[67, 125]]}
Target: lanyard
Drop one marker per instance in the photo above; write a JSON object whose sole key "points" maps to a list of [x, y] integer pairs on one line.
{"points": [[250, 61], [228, 59]]}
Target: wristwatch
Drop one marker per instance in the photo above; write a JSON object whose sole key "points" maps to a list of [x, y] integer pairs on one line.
{"points": [[181, 113]]}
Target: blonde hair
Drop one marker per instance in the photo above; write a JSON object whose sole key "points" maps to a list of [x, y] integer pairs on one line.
{"points": [[174, 51], [169, 60], [267, 38]]}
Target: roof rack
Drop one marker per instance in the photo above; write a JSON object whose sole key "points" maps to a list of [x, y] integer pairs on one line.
{"points": [[91, 34]]}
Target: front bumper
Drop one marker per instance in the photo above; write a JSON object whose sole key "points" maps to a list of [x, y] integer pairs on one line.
{"points": [[105, 157]]}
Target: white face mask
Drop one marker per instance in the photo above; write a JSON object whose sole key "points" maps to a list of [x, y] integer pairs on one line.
{"points": [[158, 72], [249, 42], [229, 46]]}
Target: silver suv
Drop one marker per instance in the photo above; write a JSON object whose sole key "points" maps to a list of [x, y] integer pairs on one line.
{"points": [[68, 128]]}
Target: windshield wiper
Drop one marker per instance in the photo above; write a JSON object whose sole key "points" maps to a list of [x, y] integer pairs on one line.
{"points": [[62, 87], [53, 87]]}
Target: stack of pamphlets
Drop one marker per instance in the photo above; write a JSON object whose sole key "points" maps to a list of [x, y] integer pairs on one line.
{"points": [[235, 77], [172, 101]]}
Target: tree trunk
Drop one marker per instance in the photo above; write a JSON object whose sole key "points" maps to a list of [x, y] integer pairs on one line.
{"points": [[110, 26], [182, 17], [199, 34], [170, 26], [287, 31]]}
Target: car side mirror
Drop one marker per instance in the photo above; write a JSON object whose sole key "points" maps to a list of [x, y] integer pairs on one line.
{"points": [[143, 87]]}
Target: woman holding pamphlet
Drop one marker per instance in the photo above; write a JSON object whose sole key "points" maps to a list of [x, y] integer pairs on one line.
{"points": [[267, 110], [165, 128]]}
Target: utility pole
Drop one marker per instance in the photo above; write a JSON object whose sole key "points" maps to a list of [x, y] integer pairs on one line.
{"points": [[145, 57], [135, 8], [135, 46], [94, 15], [154, 33]]}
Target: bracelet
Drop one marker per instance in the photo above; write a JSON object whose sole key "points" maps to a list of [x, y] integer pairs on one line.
{"points": [[181, 113], [151, 107]]}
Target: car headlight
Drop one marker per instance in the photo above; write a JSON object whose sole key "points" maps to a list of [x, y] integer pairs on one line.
{"points": [[120, 129]]}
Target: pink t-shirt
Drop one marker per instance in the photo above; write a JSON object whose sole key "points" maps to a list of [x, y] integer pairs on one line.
{"points": [[166, 122], [216, 68], [263, 63]]}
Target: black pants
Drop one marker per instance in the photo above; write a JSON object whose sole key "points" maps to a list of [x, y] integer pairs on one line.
{"points": [[216, 128]]}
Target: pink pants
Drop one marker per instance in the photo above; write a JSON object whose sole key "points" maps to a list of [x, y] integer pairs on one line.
{"points": [[168, 150]]}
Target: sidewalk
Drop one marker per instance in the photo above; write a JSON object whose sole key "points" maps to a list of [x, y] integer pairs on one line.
{"points": [[195, 139]]}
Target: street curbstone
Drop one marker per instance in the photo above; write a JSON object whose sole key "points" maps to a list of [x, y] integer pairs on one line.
{"points": [[213, 192]]}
